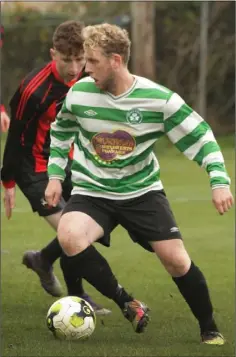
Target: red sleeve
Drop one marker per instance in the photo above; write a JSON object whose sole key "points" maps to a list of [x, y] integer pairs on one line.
{"points": [[9, 184]]}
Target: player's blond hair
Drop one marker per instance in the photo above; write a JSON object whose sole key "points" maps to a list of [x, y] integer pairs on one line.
{"points": [[110, 38]]}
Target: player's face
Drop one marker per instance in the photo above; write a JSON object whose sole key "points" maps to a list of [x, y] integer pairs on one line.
{"points": [[100, 68], [68, 67]]}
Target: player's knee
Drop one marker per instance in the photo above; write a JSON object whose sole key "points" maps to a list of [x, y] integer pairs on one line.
{"points": [[177, 263], [174, 257], [71, 238], [177, 266]]}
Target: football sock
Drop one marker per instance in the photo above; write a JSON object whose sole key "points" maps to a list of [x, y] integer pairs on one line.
{"points": [[193, 288], [121, 297], [51, 252], [74, 284], [94, 268]]}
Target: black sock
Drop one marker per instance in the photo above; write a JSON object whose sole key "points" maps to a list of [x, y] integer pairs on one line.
{"points": [[74, 284], [122, 297], [79, 286], [93, 267], [194, 289], [51, 252]]}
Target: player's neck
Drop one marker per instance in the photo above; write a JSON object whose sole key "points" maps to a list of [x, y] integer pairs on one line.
{"points": [[123, 82]]}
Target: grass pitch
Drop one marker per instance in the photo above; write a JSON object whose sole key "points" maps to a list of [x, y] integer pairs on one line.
{"points": [[172, 331]]}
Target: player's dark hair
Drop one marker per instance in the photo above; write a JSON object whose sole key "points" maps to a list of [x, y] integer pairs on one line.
{"points": [[67, 37]]}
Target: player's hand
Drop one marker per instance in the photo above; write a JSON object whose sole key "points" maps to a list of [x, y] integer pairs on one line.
{"points": [[222, 199], [9, 200], [5, 122], [53, 192]]}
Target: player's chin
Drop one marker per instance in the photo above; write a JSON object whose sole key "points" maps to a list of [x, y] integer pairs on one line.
{"points": [[71, 77], [99, 84]]}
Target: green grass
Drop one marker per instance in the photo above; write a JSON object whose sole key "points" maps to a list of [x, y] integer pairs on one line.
{"points": [[173, 331]]}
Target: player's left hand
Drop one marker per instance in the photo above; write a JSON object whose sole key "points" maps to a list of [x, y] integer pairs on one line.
{"points": [[222, 199]]}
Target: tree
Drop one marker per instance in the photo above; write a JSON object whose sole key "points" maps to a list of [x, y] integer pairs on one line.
{"points": [[143, 38]]}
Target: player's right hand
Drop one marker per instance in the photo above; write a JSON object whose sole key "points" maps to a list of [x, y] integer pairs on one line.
{"points": [[53, 192], [9, 200], [5, 122]]}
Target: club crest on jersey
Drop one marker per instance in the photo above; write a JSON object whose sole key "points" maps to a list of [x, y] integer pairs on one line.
{"points": [[134, 116]]}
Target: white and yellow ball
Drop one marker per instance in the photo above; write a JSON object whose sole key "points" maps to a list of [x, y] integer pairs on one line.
{"points": [[71, 318]]}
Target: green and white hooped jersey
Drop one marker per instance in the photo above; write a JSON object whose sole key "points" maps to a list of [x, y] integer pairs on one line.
{"points": [[114, 136]]}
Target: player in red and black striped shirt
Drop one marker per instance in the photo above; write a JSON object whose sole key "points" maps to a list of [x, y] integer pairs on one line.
{"points": [[33, 107]]}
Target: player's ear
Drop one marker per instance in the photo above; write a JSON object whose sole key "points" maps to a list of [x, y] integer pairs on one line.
{"points": [[116, 61], [52, 53]]}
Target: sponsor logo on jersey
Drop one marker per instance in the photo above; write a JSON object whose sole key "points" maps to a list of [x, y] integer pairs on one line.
{"points": [[109, 146]]}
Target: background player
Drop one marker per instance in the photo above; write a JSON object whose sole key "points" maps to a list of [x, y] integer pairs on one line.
{"points": [[33, 108]]}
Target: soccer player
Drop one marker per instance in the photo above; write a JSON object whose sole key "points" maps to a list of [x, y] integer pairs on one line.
{"points": [[114, 118], [33, 108]]}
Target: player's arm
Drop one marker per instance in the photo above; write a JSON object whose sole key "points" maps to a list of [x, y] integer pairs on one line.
{"points": [[195, 139], [22, 109], [62, 134]]}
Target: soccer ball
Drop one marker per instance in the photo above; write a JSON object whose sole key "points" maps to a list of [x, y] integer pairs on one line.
{"points": [[71, 318]]}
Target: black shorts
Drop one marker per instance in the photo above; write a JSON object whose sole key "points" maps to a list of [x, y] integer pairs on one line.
{"points": [[33, 186], [146, 218]]}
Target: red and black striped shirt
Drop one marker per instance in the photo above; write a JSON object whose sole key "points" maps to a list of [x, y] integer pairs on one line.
{"points": [[33, 107]]}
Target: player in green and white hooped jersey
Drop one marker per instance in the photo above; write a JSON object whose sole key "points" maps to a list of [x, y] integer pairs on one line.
{"points": [[114, 118]]}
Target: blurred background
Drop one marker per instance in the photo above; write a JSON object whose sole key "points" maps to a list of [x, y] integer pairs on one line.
{"points": [[186, 46], [189, 47]]}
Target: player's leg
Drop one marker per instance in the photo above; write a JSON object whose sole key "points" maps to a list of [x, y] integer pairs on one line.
{"points": [[186, 275], [85, 220], [41, 262], [191, 284], [36, 262], [152, 220], [32, 188], [51, 252]]}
